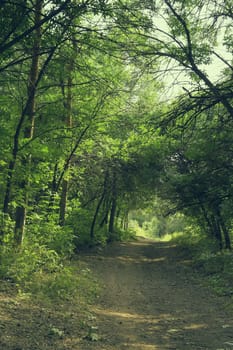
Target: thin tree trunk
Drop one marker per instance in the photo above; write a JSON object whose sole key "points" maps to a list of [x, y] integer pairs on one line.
{"points": [[92, 233], [225, 234], [207, 220], [52, 195], [113, 208], [104, 220], [63, 201], [15, 151], [68, 107], [112, 216], [217, 231], [224, 230], [126, 221], [20, 217], [99, 205]]}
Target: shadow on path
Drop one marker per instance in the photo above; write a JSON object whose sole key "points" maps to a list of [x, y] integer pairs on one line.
{"points": [[151, 300]]}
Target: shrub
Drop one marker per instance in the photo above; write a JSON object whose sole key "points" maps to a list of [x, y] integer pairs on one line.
{"points": [[54, 237], [216, 267], [40, 272]]}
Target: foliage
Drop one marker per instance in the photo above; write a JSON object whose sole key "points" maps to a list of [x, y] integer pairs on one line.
{"points": [[67, 284], [52, 236], [41, 267], [153, 222], [92, 136], [41, 273], [80, 221], [206, 259], [193, 243], [124, 235]]}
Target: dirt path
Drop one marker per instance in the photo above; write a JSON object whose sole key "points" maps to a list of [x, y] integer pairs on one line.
{"points": [[150, 300]]}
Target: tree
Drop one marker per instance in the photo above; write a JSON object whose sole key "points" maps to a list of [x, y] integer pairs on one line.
{"points": [[38, 40], [28, 116], [183, 37], [198, 177], [89, 125]]}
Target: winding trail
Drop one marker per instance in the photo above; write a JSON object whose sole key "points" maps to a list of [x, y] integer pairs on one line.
{"points": [[151, 300]]}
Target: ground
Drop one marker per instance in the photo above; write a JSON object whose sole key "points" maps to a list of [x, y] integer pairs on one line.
{"points": [[150, 298]]}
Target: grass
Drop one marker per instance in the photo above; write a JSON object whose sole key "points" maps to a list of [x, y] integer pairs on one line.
{"points": [[45, 306], [216, 267]]}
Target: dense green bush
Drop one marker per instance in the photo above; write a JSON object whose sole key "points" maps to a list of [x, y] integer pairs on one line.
{"points": [[41, 266], [124, 235], [40, 272], [80, 220], [48, 233], [216, 266], [194, 243]]}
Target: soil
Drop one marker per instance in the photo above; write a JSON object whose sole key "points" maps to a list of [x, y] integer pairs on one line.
{"points": [[150, 299]]}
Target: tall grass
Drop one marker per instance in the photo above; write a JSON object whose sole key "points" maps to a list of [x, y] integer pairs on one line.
{"points": [[215, 266]]}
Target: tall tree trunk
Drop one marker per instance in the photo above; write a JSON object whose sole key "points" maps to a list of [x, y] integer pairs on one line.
{"points": [[63, 202], [53, 190], [209, 223], [217, 231], [113, 208], [104, 220], [20, 217], [92, 233], [99, 205], [224, 230], [68, 107], [225, 234], [126, 220], [112, 216]]}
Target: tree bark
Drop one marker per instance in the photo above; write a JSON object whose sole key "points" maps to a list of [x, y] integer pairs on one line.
{"points": [[113, 208], [112, 216], [224, 230], [126, 221], [208, 221], [104, 220], [99, 206], [92, 233], [68, 107], [20, 217], [217, 231]]}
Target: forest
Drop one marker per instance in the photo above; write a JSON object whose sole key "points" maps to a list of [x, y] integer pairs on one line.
{"points": [[115, 117]]}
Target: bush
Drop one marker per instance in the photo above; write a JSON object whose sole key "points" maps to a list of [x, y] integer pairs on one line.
{"points": [[216, 266], [7, 226], [66, 284], [54, 237], [194, 243], [40, 272], [124, 235], [80, 221], [20, 266], [40, 267]]}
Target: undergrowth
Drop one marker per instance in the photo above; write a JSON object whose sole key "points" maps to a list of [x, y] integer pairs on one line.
{"points": [[44, 270], [214, 265]]}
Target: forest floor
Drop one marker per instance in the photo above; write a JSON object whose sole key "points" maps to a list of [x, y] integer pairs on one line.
{"points": [[150, 298]]}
